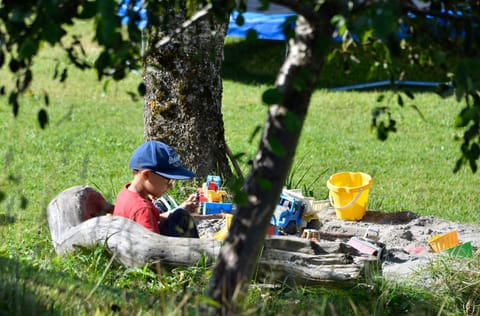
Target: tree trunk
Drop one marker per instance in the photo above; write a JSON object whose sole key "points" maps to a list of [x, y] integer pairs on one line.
{"points": [[184, 94], [296, 82]]}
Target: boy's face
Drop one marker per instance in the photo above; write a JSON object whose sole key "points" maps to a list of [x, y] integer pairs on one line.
{"points": [[155, 184]]}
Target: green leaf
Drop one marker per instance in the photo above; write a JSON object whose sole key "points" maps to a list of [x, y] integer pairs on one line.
{"points": [[419, 112], [409, 94], [464, 117], [52, 32], [106, 32], [271, 96], [255, 132], [458, 165], [87, 10], [23, 84], [28, 48], [142, 89], [473, 165], [400, 100], [14, 65], [64, 75], [240, 20], [23, 202], [133, 96], [461, 81], [105, 86], [46, 99], [276, 146], [2, 196], [13, 101], [382, 132], [252, 35], [444, 90], [102, 62], [292, 122], [265, 184], [42, 118], [239, 156], [240, 198]]}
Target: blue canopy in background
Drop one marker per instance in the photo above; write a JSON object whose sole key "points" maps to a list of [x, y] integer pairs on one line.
{"points": [[267, 26]]}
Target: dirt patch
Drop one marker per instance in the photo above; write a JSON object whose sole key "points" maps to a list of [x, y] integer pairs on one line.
{"points": [[405, 235]]}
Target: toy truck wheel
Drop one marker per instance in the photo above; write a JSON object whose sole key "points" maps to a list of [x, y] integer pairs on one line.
{"points": [[291, 228]]}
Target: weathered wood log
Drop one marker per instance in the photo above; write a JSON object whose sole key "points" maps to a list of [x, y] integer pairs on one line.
{"points": [[79, 216], [333, 269], [74, 206]]}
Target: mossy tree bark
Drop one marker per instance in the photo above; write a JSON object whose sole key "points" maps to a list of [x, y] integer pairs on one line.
{"points": [[184, 94]]}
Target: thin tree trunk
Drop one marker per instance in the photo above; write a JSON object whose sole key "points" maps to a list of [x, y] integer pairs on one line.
{"points": [[296, 82]]}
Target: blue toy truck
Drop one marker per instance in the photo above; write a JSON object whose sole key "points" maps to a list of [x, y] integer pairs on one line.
{"points": [[287, 218]]}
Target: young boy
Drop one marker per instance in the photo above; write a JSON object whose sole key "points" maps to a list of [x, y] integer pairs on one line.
{"points": [[155, 167]]}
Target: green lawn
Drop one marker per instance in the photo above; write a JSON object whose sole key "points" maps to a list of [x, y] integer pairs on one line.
{"points": [[412, 170]]}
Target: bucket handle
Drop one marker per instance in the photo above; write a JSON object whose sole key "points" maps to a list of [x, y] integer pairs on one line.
{"points": [[349, 204]]}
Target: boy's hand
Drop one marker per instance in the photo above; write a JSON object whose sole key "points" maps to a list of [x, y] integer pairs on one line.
{"points": [[190, 204]]}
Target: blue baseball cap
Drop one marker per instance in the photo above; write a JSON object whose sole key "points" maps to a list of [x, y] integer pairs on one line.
{"points": [[161, 159]]}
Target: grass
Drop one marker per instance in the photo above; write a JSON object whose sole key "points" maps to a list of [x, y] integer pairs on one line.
{"points": [[90, 137], [412, 170]]}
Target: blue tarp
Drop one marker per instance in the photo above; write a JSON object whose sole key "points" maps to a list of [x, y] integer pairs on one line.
{"points": [[267, 26]]}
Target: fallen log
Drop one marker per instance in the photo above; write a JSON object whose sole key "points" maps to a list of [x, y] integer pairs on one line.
{"points": [[79, 216]]}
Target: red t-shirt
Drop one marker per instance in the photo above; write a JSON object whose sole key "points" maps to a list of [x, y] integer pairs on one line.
{"points": [[133, 206]]}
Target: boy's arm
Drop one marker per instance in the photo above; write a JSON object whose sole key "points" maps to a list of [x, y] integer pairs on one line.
{"points": [[147, 219], [191, 204]]}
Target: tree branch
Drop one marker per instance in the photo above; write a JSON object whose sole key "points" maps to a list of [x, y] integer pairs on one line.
{"points": [[179, 30]]}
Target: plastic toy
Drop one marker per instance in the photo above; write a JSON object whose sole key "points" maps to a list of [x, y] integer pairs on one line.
{"points": [[287, 218], [211, 197], [294, 212]]}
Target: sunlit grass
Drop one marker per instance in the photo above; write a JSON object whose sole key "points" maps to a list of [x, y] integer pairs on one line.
{"points": [[412, 169]]}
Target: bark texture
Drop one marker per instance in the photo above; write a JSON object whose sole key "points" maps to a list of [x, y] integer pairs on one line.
{"points": [[184, 94]]}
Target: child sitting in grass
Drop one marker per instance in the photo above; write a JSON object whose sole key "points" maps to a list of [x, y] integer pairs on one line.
{"points": [[155, 167]]}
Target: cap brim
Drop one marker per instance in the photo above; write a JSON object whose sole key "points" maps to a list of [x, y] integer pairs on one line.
{"points": [[177, 174]]}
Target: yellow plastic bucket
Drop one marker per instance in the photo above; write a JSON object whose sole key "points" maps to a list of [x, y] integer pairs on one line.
{"points": [[349, 194]]}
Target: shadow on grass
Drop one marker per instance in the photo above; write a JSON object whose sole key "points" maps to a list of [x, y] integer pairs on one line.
{"points": [[6, 219], [29, 290], [258, 62], [359, 300], [252, 61]]}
